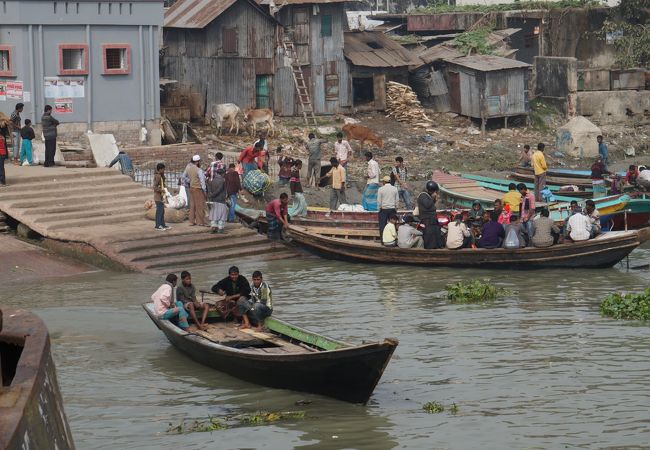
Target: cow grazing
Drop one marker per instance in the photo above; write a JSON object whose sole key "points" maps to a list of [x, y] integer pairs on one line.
{"points": [[225, 111], [255, 116], [362, 134]]}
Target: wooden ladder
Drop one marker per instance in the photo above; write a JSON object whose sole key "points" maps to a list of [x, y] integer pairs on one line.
{"points": [[299, 81]]}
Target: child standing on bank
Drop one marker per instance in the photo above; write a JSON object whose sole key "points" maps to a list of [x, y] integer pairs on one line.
{"points": [[27, 135]]}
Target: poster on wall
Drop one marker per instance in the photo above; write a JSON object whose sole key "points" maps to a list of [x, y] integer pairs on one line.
{"points": [[56, 87], [15, 90], [3, 91], [63, 105]]}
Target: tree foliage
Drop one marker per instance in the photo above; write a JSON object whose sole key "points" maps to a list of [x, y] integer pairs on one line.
{"points": [[628, 30], [474, 42]]}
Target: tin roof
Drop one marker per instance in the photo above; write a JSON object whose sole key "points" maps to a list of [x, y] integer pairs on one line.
{"points": [[446, 50], [487, 63], [200, 13], [375, 49]]}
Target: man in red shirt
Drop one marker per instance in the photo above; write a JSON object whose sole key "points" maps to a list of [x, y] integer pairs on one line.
{"points": [[248, 156], [277, 214]]}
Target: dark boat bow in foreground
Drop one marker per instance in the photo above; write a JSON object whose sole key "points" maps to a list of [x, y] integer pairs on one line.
{"points": [[285, 357]]}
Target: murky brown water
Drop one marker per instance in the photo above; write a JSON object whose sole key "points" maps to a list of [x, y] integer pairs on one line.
{"points": [[539, 369]]}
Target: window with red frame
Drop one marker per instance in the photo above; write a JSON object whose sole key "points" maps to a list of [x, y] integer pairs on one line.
{"points": [[73, 59], [6, 61], [117, 59]]}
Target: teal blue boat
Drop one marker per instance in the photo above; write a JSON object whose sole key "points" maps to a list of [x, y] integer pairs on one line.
{"points": [[587, 193]]}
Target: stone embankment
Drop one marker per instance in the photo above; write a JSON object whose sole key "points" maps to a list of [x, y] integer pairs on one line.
{"points": [[84, 209]]}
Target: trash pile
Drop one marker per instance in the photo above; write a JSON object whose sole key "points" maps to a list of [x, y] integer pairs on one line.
{"points": [[403, 105]]}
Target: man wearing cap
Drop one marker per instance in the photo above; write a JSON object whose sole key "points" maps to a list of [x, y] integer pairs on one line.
{"points": [[387, 200], [198, 190], [408, 236]]}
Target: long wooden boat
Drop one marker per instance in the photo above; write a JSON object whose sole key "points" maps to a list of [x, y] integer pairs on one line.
{"points": [[31, 407], [603, 251], [562, 173], [284, 357], [501, 184], [582, 183]]}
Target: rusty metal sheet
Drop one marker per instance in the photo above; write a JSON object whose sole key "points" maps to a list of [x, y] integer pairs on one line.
{"points": [[441, 22], [488, 63], [264, 66], [199, 13], [374, 49]]}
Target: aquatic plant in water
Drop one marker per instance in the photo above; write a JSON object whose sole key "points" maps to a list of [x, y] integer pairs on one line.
{"points": [[473, 291], [433, 407], [214, 423], [627, 306]]}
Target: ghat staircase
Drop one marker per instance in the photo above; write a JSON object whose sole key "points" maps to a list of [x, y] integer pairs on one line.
{"points": [[105, 210]]}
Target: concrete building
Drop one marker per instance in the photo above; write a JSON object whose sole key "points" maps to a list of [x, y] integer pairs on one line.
{"points": [[95, 62]]}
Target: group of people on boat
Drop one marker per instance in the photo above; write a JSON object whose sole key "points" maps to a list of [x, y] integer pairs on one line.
{"points": [[511, 223], [248, 303]]}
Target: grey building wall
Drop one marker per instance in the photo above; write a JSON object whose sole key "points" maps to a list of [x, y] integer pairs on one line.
{"points": [[35, 28]]}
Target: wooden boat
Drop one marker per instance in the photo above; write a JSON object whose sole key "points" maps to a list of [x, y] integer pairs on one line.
{"points": [[562, 173], [603, 251], [637, 215], [31, 407], [582, 183], [461, 192], [501, 184], [284, 357]]}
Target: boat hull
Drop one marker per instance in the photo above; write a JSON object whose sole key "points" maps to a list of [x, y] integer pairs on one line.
{"points": [[348, 374], [31, 410], [595, 253]]}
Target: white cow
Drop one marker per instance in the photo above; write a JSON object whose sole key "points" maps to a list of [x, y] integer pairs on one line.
{"points": [[225, 111]]}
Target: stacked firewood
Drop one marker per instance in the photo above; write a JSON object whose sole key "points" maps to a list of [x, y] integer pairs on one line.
{"points": [[403, 105]]}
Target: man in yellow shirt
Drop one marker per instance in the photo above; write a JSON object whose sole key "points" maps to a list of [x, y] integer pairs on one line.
{"points": [[337, 172], [512, 198], [539, 166]]}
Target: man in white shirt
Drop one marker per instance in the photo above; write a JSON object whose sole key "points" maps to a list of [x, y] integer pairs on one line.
{"points": [[369, 199], [458, 236], [579, 227], [387, 199], [408, 236], [343, 149]]}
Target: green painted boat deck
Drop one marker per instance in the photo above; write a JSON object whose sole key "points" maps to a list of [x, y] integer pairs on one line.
{"points": [[303, 335]]}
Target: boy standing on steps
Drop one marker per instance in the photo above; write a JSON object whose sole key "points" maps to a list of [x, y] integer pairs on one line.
{"points": [[27, 135], [159, 187]]}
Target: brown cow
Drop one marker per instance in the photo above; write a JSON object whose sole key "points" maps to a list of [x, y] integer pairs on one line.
{"points": [[255, 116], [362, 134]]}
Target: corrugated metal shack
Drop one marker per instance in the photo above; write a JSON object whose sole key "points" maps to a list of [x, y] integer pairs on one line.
{"points": [[316, 28], [487, 87], [428, 79], [223, 49], [374, 59]]}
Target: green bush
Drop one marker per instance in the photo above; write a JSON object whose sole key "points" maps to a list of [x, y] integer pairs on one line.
{"points": [[628, 306], [473, 291], [433, 407]]}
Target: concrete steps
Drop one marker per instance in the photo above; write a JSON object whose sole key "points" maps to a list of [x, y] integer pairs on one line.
{"points": [[103, 208]]}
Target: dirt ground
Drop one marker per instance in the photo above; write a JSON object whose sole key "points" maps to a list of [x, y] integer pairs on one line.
{"points": [[453, 143]]}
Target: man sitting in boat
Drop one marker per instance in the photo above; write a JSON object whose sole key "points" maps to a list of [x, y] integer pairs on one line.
{"points": [[408, 236], [579, 227], [186, 294], [165, 307], [262, 302], [476, 213], [594, 217], [512, 198], [389, 234], [458, 236], [631, 175], [545, 232], [236, 289], [527, 207], [492, 233]]}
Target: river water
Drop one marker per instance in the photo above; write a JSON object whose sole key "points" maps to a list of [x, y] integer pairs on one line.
{"points": [[537, 369]]}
